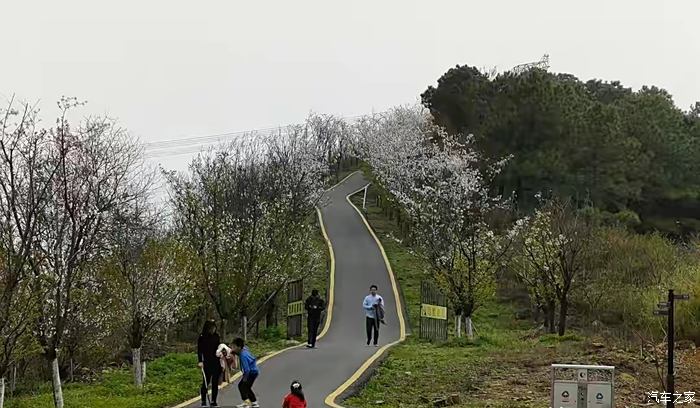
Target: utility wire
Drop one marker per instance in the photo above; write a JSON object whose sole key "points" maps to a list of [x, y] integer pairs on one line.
{"points": [[155, 149]]}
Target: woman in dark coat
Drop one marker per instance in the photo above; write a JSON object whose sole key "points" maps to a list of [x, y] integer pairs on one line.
{"points": [[207, 344]]}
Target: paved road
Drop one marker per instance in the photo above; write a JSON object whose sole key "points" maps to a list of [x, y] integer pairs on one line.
{"points": [[342, 350]]}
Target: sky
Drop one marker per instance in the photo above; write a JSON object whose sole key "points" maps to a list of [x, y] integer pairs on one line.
{"points": [[169, 70]]}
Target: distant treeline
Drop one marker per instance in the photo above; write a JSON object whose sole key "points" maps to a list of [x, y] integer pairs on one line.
{"points": [[633, 156]]}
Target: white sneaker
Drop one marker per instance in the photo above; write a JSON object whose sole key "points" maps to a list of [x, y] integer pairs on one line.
{"points": [[243, 405], [255, 405]]}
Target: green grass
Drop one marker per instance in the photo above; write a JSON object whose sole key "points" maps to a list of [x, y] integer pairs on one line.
{"points": [[170, 380]]}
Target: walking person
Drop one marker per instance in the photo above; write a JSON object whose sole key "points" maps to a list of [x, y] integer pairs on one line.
{"points": [[250, 371], [314, 306], [295, 398], [374, 306], [208, 361]]}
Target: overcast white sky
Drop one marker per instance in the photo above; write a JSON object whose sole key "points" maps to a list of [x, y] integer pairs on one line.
{"points": [[176, 69]]}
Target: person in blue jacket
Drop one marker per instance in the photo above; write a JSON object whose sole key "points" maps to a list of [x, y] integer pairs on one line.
{"points": [[249, 368]]}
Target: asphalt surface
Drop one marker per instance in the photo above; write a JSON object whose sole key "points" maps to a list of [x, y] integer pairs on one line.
{"points": [[358, 264]]}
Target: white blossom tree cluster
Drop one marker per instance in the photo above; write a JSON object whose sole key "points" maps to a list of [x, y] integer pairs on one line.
{"points": [[442, 183], [87, 259], [437, 179], [78, 243], [245, 211], [333, 136]]}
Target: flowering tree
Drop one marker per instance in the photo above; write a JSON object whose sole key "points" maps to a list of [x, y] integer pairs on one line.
{"points": [[243, 212], [556, 247], [331, 136], [534, 275], [146, 277], [97, 168], [435, 178], [24, 181]]}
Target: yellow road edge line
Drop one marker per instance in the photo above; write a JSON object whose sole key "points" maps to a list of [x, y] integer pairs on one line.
{"points": [[329, 316], [331, 283], [343, 180], [330, 399]]}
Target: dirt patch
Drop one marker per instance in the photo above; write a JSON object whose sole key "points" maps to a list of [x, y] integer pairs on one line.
{"points": [[524, 377]]}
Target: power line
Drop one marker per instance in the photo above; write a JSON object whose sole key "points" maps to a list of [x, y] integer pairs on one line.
{"points": [[198, 141], [201, 139]]}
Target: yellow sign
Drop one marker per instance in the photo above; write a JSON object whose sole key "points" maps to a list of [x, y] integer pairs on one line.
{"points": [[433, 312], [295, 308]]}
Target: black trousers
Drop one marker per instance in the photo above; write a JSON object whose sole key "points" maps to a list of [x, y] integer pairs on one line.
{"points": [[372, 328], [312, 324], [245, 386], [212, 371]]}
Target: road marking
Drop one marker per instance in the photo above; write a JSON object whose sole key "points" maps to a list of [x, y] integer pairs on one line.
{"points": [[330, 399], [341, 181], [329, 316], [331, 284]]}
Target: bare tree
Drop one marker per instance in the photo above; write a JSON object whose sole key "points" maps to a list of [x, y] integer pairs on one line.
{"points": [[97, 174]]}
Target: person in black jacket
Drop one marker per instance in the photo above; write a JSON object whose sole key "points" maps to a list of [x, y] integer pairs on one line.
{"points": [[207, 344], [314, 306]]}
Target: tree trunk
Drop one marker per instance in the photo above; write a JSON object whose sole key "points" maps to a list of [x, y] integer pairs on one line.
{"points": [[138, 374], [13, 385], [2, 392], [551, 306], [71, 369], [223, 330], [536, 313], [470, 328], [245, 328], [143, 371], [56, 377], [459, 325], [271, 315], [564, 306]]}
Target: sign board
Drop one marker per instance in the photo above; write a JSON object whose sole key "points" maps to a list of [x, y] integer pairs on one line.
{"points": [[600, 395], [564, 393], [433, 312]]}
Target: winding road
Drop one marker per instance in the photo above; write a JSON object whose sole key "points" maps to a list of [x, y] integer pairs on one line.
{"points": [[341, 356]]}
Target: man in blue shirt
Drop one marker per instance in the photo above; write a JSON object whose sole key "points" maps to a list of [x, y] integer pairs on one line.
{"points": [[249, 368], [373, 305]]}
